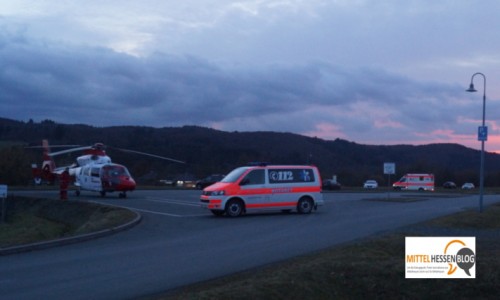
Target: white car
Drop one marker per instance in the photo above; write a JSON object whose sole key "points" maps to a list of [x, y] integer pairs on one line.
{"points": [[468, 186], [370, 184]]}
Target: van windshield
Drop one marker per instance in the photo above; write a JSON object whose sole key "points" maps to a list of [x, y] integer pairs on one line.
{"points": [[235, 174]]}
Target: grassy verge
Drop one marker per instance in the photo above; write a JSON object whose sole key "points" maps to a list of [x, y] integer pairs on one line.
{"points": [[368, 269], [30, 220]]}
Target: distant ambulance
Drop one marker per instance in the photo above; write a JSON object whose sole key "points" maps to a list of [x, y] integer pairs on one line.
{"points": [[415, 182]]}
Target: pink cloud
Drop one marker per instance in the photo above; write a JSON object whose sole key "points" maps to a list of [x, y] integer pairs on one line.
{"points": [[326, 131]]}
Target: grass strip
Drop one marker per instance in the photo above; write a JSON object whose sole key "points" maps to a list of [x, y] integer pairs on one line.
{"points": [[35, 220]]}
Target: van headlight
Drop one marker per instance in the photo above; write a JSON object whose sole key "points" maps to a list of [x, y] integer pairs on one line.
{"points": [[218, 193]]}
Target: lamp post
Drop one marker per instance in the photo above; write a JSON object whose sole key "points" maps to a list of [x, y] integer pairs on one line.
{"points": [[482, 135]]}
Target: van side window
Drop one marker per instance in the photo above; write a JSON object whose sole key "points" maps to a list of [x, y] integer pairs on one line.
{"points": [[254, 177], [291, 175]]}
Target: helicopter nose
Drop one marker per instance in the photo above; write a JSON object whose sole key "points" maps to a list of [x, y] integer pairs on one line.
{"points": [[128, 183]]}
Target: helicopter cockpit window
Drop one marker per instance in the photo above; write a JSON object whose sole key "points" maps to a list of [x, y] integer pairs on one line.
{"points": [[115, 171]]}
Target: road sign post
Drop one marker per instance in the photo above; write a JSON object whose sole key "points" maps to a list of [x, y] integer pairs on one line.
{"points": [[389, 169], [3, 195]]}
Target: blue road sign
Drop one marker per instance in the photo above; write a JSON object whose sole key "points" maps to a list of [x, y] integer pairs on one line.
{"points": [[482, 133], [389, 168]]}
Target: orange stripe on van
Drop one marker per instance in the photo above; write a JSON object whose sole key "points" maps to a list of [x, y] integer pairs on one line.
{"points": [[214, 204], [266, 205], [254, 191], [279, 190], [306, 189]]}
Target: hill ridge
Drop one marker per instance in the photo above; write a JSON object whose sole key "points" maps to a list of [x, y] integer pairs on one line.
{"points": [[208, 150]]}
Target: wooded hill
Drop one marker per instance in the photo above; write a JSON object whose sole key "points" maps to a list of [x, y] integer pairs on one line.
{"points": [[207, 151]]}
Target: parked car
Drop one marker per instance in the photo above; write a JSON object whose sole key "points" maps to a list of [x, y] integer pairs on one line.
{"points": [[370, 184], [468, 186], [209, 180], [449, 185], [329, 184]]}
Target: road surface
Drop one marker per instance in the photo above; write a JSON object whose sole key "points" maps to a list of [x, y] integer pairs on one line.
{"points": [[177, 243]]}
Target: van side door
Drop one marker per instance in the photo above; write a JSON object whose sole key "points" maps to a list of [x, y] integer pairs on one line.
{"points": [[253, 189]]}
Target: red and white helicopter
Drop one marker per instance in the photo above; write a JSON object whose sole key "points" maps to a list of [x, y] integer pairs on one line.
{"points": [[93, 171]]}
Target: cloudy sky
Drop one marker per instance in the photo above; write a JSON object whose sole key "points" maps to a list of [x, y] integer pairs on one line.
{"points": [[373, 72]]}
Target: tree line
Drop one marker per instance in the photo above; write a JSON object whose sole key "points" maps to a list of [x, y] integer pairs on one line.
{"points": [[207, 151]]}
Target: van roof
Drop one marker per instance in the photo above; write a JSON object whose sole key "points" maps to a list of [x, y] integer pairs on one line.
{"points": [[284, 166], [419, 174]]}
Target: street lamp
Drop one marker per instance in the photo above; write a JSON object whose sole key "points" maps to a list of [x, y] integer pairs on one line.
{"points": [[482, 135]]}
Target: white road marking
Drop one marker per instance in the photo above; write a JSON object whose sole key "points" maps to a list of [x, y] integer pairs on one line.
{"points": [[172, 201], [160, 213], [155, 212]]}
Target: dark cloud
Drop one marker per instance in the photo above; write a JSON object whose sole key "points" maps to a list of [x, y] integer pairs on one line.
{"points": [[91, 85]]}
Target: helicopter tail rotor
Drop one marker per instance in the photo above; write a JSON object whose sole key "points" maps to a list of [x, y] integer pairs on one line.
{"points": [[46, 172]]}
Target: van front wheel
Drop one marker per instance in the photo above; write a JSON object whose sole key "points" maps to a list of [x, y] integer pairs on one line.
{"points": [[305, 205], [234, 208]]}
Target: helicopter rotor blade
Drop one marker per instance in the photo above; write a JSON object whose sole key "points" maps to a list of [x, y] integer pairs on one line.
{"points": [[52, 146], [151, 155], [102, 146], [70, 150]]}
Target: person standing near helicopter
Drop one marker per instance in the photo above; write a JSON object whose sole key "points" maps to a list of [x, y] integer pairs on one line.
{"points": [[64, 179]]}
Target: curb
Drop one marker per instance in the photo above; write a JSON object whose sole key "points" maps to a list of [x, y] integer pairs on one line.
{"points": [[71, 240]]}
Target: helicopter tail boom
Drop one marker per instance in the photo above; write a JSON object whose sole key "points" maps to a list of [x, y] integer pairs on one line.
{"points": [[46, 172]]}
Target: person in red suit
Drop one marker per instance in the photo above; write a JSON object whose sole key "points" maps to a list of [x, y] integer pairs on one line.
{"points": [[63, 184]]}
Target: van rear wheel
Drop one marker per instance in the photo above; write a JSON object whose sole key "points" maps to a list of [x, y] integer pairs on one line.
{"points": [[305, 205], [234, 208]]}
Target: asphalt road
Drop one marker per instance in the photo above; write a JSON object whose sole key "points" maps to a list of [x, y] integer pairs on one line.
{"points": [[177, 243]]}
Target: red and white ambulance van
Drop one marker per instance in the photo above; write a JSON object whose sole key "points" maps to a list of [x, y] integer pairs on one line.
{"points": [[415, 182], [265, 187]]}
